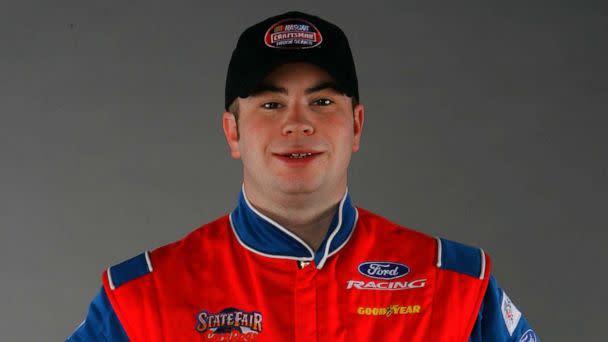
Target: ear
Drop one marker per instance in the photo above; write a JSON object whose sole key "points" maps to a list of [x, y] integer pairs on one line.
{"points": [[359, 116], [231, 132]]}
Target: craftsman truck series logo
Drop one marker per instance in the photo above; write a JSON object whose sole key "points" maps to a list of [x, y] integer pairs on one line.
{"points": [[229, 324], [292, 34]]}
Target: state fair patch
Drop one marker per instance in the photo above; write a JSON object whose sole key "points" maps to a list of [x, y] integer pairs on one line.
{"points": [[509, 313], [293, 34]]}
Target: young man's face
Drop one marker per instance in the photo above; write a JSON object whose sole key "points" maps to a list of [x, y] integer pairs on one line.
{"points": [[296, 133]]}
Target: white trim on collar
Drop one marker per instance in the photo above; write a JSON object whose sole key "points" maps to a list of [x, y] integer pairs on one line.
{"points": [[262, 253], [326, 252], [348, 237], [278, 226], [333, 234]]}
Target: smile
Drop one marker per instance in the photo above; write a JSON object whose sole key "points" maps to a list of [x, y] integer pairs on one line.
{"points": [[299, 155]]}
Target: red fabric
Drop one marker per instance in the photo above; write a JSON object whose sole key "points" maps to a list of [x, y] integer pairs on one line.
{"points": [[210, 271]]}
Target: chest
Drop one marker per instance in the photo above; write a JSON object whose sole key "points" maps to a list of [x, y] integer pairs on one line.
{"points": [[355, 298]]}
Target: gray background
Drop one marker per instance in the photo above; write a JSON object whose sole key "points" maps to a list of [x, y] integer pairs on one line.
{"points": [[485, 124]]}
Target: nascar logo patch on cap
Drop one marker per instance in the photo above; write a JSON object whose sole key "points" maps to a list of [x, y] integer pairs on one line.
{"points": [[293, 34]]}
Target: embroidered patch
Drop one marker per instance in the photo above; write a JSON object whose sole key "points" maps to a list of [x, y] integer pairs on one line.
{"points": [[293, 34], [383, 269], [385, 285], [510, 314], [528, 336], [229, 324], [389, 310]]}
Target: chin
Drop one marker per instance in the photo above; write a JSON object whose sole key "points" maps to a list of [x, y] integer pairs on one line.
{"points": [[298, 186]]}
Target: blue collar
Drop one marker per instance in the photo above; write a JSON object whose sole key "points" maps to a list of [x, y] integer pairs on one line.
{"points": [[261, 235]]}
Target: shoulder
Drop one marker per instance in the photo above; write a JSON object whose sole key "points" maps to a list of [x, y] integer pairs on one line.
{"points": [[151, 262], [461, 258], [100, 324], [447, 255], [500, 320], [373, 224], [128, 270]]}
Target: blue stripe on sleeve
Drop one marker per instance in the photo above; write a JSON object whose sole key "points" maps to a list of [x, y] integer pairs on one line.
{"points": [[129, 270], [460, 258], [101, 323], [490, 325]]}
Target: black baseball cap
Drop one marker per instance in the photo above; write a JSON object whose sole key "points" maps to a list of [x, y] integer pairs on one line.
{"points": [[289, 38]]}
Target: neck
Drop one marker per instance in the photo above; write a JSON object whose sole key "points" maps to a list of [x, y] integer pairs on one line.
{"points": [[306, 215]]}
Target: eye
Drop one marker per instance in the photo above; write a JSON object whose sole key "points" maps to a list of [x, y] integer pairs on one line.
{"points": [[271, 105], [323, 102]]}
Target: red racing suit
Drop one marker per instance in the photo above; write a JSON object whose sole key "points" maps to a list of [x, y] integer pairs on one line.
{"points": [[244, 277]]}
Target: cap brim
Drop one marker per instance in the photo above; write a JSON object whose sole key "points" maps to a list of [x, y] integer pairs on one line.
{"points": [[255, 77]]}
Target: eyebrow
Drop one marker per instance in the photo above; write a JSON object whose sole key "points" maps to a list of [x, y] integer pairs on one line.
{"points": [[272, 88], [267, 87], [324, 85]]}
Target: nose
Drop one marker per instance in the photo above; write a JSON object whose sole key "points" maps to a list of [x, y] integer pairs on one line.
{"points": [[297, 122]]}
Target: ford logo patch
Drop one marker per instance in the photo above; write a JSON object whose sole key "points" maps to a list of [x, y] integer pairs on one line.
{"points": [[383, 269]]}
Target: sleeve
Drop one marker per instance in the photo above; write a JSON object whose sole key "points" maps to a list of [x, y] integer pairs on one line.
{"points": [[499, 320], [101, 323]]}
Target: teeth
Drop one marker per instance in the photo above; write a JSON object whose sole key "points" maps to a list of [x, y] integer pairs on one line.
{"points": [[299, 155]]}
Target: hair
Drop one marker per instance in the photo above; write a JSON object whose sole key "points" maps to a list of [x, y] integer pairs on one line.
{"points": [[234, 109]]}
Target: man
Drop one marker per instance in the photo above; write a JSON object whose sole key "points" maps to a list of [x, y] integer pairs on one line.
{"points": [[295, 260]]}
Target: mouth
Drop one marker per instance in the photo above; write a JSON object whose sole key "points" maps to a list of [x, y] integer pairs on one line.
{"points": [[297, 156]]}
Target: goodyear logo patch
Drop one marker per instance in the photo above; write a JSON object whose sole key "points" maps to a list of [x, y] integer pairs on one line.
{"points": [[389, 310], [293, 34], [229, 323]]}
